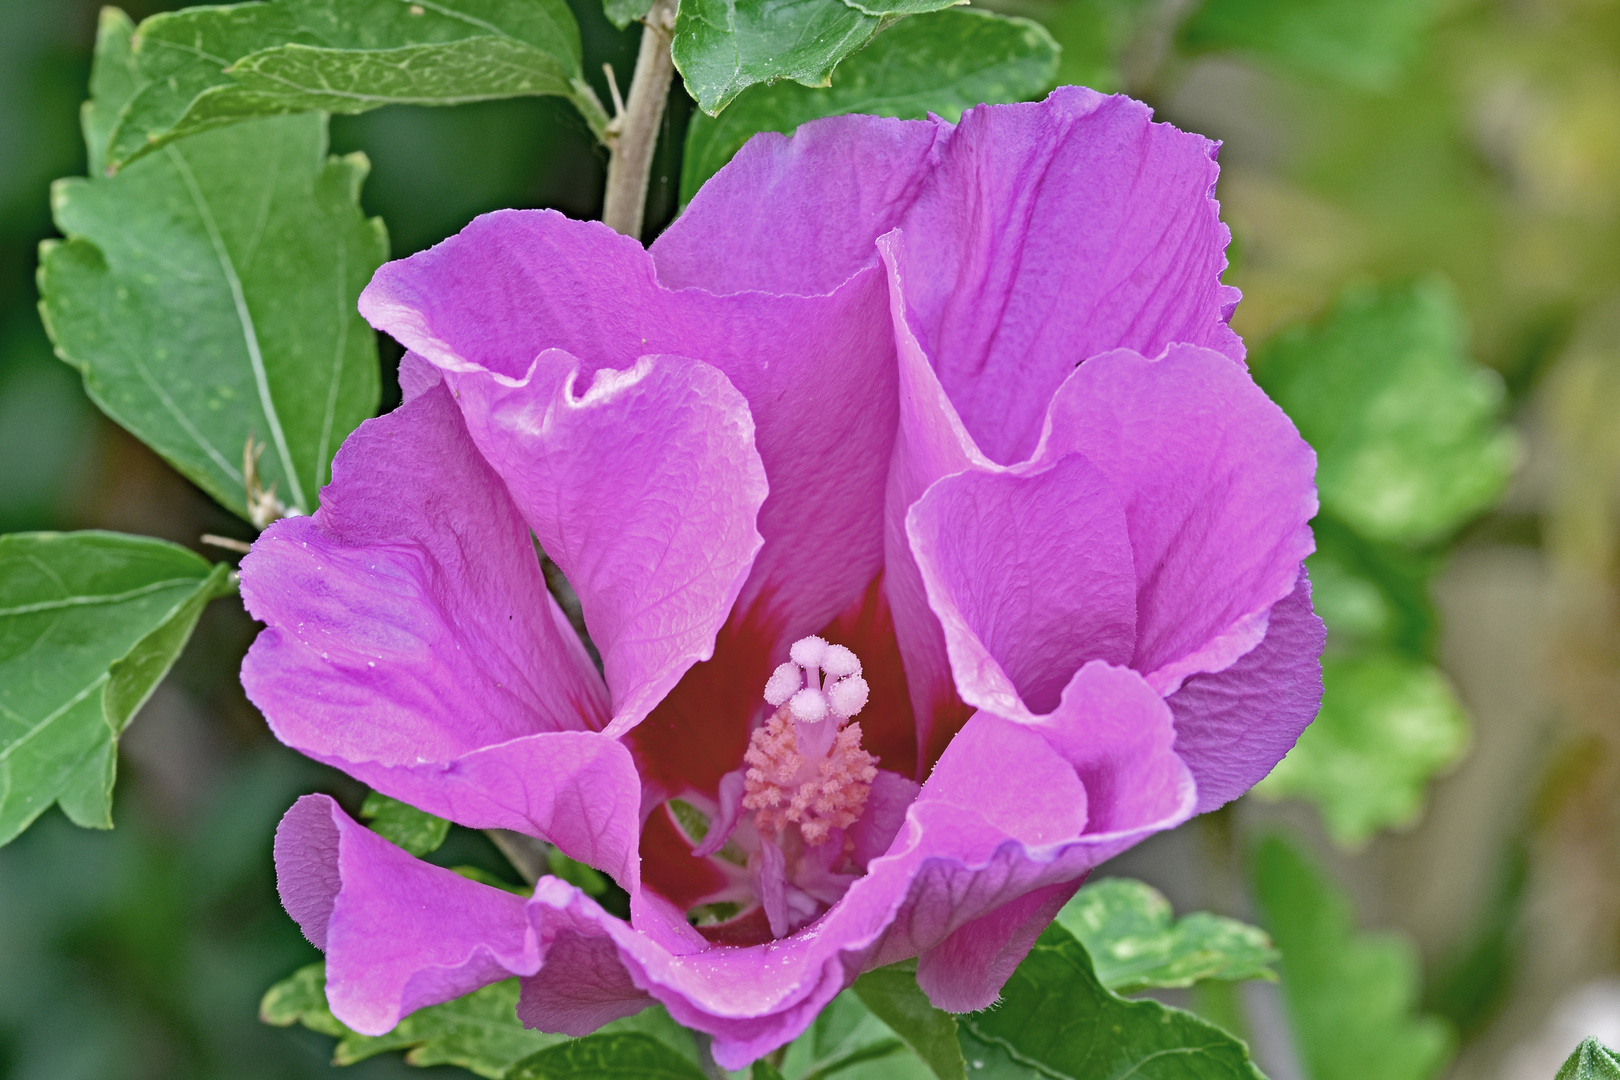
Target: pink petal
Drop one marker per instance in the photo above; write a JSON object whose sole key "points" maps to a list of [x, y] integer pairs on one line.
{"points": [[408, 620], [643, 486], [1217, 486], [973, 852], [966, 971], [1030, 577], [1051, 232], [445, 935], [825, 194], [1232, 727], [931, 443], [817, 373]]}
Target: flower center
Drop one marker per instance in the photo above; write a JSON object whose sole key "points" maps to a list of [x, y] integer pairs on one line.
{"points": [[805, 764]]}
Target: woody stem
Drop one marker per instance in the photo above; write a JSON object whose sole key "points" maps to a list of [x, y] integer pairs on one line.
{"points": [[633, 134]]}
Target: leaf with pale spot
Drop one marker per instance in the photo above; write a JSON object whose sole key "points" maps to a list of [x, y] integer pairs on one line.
{"points": [[1135, 941], [417, 831], [1406, 427]]}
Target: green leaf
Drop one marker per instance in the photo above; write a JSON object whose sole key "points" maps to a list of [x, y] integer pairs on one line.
{"points": [[207, 295], [1387, 725], [114, 79], [892, 9], [942, 63], [1130, 932], [627, 1056], [300, 998], [1368, 44], [1372, 594], [585, 878], [1350, 996], [1055, 1021], [722, 47], [849, 1041], [895, 998], [484, 877], [1590, 1061], [622, 13], [479, 1032], [416, 831], [206, 67], [1406, 427], [90, 623]]}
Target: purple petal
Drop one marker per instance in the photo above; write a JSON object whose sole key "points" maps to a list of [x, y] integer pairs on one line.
{"points": [[782, 194], [1046, 804], [1218, 489], [966, 971], [817, 373], [1030, 577], [1013, 811], [1052, 232], [443, 935], [1232, 727], [416, 376], [643, 487], [408, 620], [931, 443]]}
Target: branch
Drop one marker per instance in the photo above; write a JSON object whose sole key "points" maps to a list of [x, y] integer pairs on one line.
{"points": [[633, 135]]}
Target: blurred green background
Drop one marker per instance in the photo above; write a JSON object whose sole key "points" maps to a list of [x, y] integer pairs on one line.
{"points": [[1460, 156]]}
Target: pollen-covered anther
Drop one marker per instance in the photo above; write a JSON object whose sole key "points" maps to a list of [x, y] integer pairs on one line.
{"points": [[805, 765]]}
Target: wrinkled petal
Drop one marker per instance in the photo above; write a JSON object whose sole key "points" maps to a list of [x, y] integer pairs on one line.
{"points": [[1030, 576], [412, 643], [783, 193], [445, 935], [966, 971], [817, 373], [1103, 775], [1053, 231], [1232, 727], [931, 443], [408, 620], [643, 487], [416, 376], [1218, 489], [1046, 805], [577, 789]]}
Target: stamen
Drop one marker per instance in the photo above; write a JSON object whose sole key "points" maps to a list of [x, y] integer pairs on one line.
{"points": [[785, 681], [848, 695], [808, 651], [807, 768], [808, 705]]}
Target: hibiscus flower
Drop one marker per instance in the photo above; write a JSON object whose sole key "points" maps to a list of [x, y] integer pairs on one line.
{"points": [[935, 543]]}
